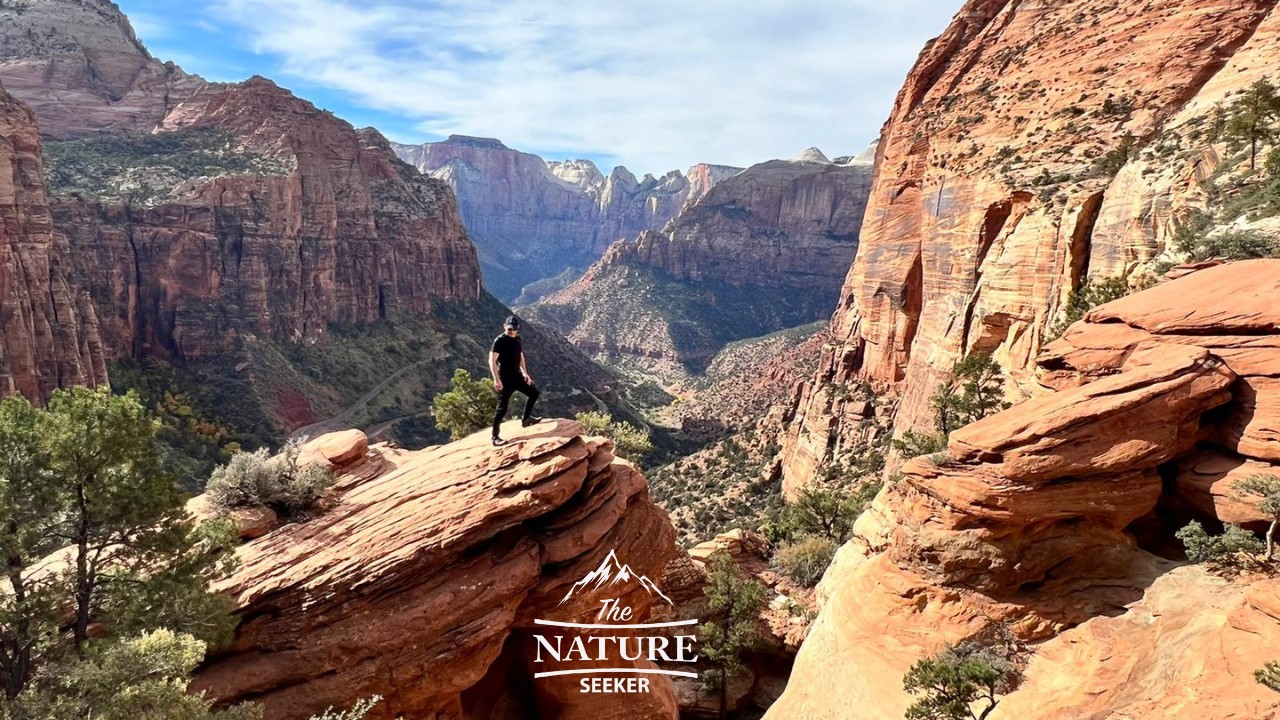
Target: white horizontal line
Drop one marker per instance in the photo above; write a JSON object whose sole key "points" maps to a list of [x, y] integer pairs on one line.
{"points": [[640, 626], [592, 671]]}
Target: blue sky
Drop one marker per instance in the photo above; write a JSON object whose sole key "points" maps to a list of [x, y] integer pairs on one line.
{"points": [[656, 86]]}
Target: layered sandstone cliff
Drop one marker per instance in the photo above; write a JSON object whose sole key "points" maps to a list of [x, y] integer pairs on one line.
{"points": [[422, 583], [327, 227], [1045, 516], [49, 334], [532, 220], [1033, 146], [761, 251]]}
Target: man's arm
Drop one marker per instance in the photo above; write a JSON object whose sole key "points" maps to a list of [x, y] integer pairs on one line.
{"points": [[524, 370], [493, 370]]}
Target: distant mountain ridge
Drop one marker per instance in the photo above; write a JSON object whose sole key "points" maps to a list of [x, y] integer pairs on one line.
{"points": [[764, 250], [533, 219]]}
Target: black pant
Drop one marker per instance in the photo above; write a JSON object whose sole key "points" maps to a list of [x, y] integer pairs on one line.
{"points": [[509, 387]]}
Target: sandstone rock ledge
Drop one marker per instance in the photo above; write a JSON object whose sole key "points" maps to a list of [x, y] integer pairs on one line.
{"points": [[419, 585], [1048, 517]]}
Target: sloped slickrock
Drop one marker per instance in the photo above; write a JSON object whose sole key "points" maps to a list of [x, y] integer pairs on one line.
{"points": [[1230, 310], [1003, 183], [764, 250], [49, 334], [421, 584], [1031, 519]]}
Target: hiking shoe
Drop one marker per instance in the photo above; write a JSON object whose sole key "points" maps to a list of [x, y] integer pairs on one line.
{"points": [[498, 442], [526, 422]]}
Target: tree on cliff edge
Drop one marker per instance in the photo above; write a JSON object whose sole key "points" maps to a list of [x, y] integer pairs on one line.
{"points": [[1252, 119], [973, 672], [466, 407]]}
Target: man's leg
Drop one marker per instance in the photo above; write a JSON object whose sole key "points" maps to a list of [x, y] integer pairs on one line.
{"points": [[504, 399], [531, 392]]}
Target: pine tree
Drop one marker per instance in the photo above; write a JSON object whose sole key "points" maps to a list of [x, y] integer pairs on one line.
{"points": [[1252, 119], [734, 604]]}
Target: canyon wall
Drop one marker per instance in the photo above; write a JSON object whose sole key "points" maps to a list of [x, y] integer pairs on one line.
{"points": [[1034, 145], [761, 251], [531, 219], [49, 334]]}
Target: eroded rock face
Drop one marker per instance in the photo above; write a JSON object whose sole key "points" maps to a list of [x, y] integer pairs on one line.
{"points": [[763, 250], [991, 200], [1039, 516], [80, 66], [49, 334], [532, 219], [421, 584]]}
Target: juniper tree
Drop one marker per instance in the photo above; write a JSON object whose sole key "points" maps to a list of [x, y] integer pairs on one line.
{"points": [[466, 407]]}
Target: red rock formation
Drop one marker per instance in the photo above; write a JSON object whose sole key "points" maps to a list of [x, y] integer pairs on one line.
{"points": [[48, 327], [531, 219], [1029, 519], [763, 250], [990, 201], [421, 584]]}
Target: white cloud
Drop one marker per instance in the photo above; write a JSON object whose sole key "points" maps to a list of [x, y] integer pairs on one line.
{"points": [[657, 85]]}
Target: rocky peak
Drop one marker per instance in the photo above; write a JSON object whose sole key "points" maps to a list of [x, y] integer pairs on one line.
{"points": [[813, 155], [434, 565], [80, 66], [582, 174]]}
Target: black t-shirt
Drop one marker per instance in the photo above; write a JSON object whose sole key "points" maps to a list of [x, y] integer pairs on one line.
{"points": [[508, 349]]}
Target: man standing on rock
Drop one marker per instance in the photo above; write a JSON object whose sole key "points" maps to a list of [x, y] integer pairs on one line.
{"points": [[506, 363]]}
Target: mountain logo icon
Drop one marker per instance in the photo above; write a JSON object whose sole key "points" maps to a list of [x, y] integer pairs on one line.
{"points": [[613, 573]]}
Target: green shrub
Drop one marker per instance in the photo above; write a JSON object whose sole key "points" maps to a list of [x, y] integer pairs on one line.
{"points": [[1095, 292], [144, 678], [805, 560], [1231, 245], [914, 444], [1269, 675], [258, 480], [629, 441], [357, 711], [467, 406], [1232, 548]]}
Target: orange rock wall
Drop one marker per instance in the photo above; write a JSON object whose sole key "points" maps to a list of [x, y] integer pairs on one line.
{"points": [[967, 246]]}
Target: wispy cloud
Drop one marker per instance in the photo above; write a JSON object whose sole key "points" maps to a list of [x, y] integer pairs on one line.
{"points": [[657, 85]]}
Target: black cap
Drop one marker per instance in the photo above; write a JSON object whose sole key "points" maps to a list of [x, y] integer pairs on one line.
{"points": [[512, 322]]}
